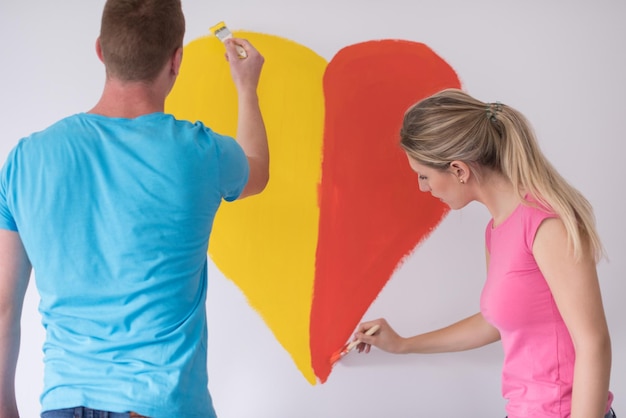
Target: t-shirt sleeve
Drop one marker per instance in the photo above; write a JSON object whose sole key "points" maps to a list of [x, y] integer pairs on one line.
{"points": [[6, 217], [234, 168], [533, 221]]}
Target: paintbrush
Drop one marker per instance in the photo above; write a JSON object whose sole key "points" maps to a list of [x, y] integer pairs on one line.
{"points": [[222, 32], [350, 346]]}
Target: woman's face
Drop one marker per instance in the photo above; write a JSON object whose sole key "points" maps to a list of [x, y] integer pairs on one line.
{"points": [[444, 185]]}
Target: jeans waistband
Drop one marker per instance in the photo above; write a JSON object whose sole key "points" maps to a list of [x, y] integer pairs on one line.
{"points": [[82, 412]]}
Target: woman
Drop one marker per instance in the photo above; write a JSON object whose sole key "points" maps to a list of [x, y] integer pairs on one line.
{"points": [[541, 297]]}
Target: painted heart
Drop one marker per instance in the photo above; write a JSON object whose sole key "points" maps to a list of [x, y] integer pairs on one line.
{"points": [[342, 209]]}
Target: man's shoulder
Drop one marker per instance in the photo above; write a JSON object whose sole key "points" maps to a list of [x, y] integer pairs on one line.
{"points": [[68, 122]]}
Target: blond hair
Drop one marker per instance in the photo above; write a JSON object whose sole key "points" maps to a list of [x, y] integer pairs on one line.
{"points": [[451, 125], [137, 37]]}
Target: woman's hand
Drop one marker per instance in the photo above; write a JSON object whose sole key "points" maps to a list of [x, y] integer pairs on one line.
{"points": [[385, 338]]}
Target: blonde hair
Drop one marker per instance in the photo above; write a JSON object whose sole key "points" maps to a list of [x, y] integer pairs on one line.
{"points": [[451, 125]]}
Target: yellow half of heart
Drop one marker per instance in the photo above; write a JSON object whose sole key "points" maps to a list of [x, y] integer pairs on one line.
{"points": [[267, 243]]}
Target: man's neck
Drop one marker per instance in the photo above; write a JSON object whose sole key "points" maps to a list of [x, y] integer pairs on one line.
{"points": [[129, 99]]}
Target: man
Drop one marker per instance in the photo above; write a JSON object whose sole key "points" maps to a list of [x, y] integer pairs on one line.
{"points": [[113, 209]]}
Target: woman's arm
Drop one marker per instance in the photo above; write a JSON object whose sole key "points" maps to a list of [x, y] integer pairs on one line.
{"points": [[469, 333], [574, 285]]}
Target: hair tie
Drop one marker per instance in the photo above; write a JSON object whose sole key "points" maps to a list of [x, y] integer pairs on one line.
{"points": [[492, 110]]}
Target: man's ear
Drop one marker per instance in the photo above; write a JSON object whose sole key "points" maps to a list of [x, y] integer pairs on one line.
{"points": [[99, 50], [177, 60], [460, 170]]}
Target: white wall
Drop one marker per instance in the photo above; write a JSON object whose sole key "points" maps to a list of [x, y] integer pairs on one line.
{"points": [[560, 62]]}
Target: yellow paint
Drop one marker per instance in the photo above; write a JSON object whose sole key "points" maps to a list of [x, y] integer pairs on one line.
{"points": [[275, 231]]}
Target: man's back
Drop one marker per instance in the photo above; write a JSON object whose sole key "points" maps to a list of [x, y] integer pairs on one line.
{"points": [[115, 215]]}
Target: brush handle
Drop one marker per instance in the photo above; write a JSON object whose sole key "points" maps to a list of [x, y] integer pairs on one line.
{"points": [[370, 331], [241, 52]]}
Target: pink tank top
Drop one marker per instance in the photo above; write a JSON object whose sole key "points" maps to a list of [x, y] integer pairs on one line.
{"points": [[539, 354]]}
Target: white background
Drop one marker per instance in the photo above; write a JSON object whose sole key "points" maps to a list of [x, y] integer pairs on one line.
{"points": [[562, 63]]}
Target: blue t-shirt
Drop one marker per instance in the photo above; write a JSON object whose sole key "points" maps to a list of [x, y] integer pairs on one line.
{"points": [[115, 215]]}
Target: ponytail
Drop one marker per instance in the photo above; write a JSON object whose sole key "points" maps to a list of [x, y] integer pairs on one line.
{"points": [[451, 125]]}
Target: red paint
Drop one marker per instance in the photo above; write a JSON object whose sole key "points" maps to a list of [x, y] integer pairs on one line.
{"points": [[372, 213]]}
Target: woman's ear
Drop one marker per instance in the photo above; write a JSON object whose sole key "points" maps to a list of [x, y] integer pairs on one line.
{"points": [[460, 170]]}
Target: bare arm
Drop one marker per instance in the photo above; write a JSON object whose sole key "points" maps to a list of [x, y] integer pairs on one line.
{"points": [[14, 275], [574, 285], [251, 134], [469, 333]]}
